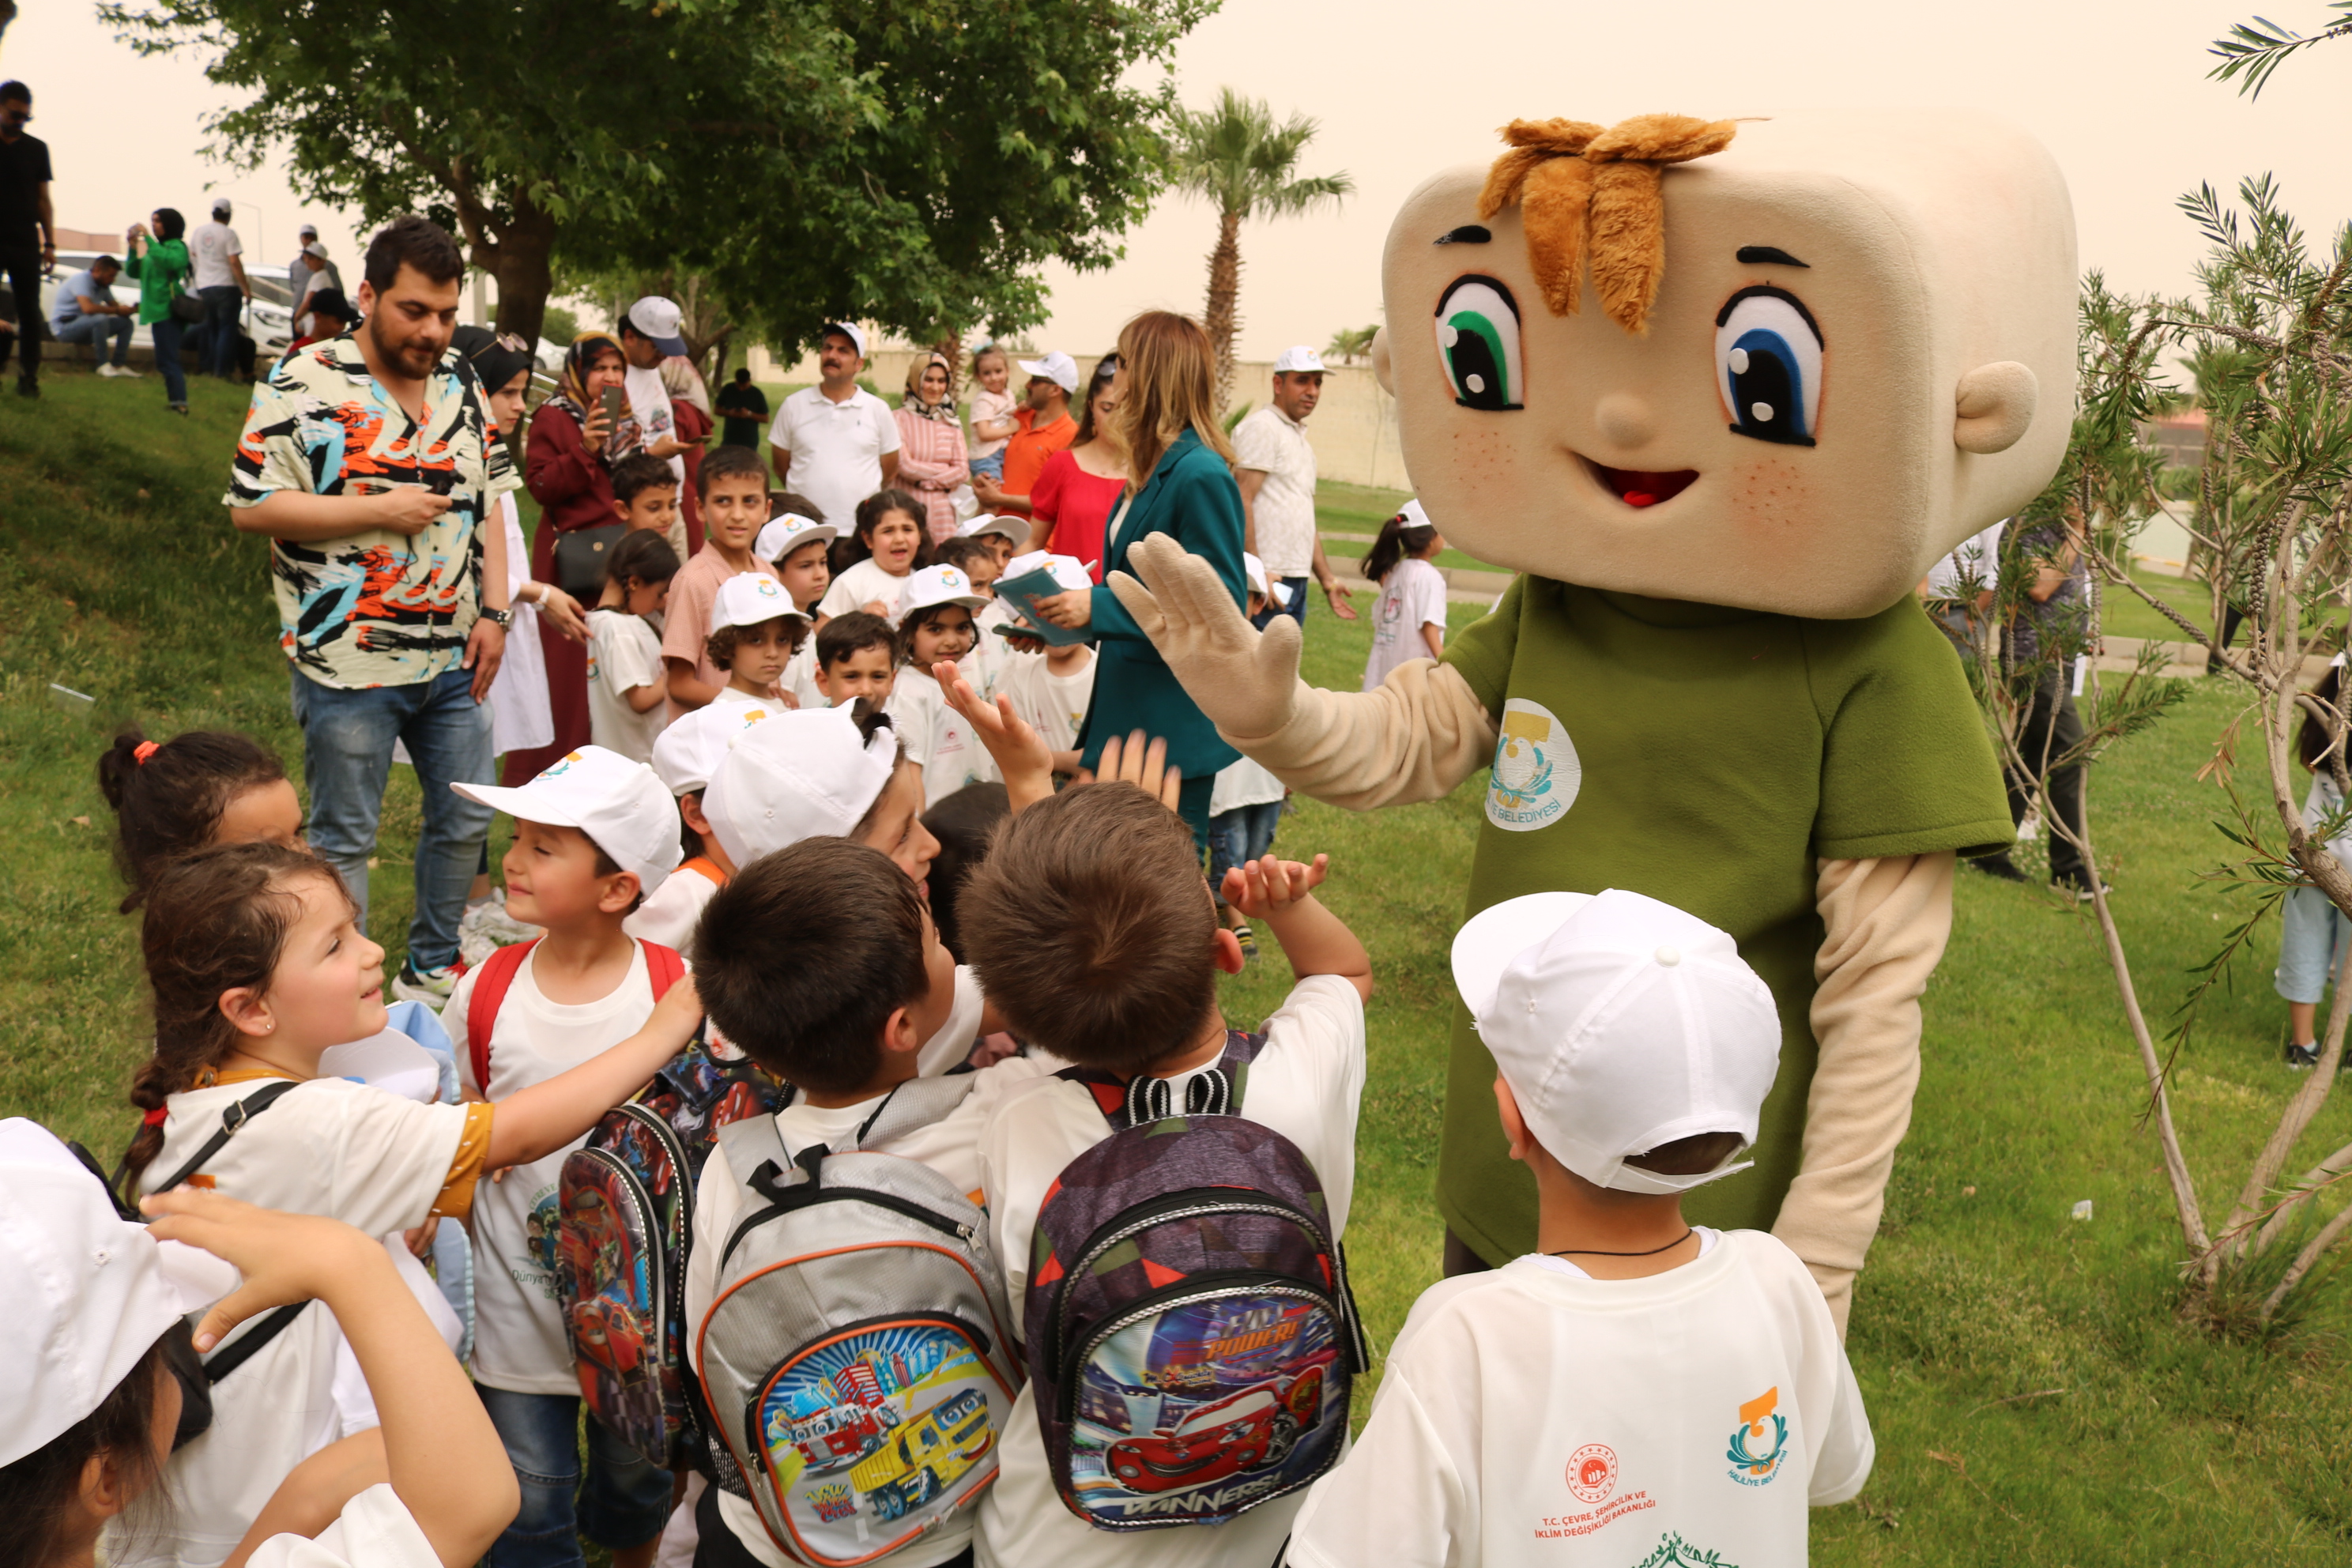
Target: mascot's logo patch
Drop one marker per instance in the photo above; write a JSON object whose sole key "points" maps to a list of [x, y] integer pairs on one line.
{"points": [[1536, 773], [1759, 1441]]}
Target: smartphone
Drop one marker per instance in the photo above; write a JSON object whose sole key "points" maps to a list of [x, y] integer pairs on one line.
{"points": [[612, 406]]}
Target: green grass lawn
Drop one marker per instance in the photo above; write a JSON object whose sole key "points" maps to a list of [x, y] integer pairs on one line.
{"points": [[2034, 1396]]}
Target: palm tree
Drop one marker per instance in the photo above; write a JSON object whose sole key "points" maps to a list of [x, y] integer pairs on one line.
{"points": [[1233, 154], [1350, 345]]}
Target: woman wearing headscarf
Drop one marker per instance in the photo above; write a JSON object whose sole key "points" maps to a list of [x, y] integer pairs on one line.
{"points": [[932, 455], [158, 260], [568, 468]]}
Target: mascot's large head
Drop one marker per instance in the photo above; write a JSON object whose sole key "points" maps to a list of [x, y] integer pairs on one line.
{"points": [[1781, 364]]}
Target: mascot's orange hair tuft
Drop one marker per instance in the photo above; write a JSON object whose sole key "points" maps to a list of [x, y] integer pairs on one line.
{"points": [[1584, 190]]}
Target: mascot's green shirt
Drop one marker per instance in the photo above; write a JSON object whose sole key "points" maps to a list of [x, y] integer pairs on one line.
{"points": [[1708, 757]]}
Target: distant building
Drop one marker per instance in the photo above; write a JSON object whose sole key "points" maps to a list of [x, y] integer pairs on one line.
{"points": [[2180, 436]]}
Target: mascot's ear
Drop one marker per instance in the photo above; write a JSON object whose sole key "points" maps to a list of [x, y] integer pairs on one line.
{"points": [[1994, 405], [1382, 371]]}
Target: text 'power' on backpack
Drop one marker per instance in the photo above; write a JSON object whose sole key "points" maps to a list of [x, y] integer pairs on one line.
{"points": [[854, 1357], [1191, 1336]]}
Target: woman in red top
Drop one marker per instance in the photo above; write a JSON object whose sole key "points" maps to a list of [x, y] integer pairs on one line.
{"points": [[568, 469], [1079, 492]]}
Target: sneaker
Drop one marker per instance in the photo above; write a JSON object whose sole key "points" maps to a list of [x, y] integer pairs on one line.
{"points": [[1247, 937], [179, 408], [430, 986], [130, 371], [2000, 866], [110, 370], [2303, 1055], [2078, 887], [487, 927], [27, 387]]}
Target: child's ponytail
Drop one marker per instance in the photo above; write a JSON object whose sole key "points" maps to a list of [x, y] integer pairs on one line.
{"points": [[640, 556], [1398, 540], [168, 798], [216, 921]]}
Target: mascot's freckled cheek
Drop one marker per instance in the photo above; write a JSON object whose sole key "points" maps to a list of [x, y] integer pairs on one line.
{"points": [[1481, 461], [1769, 496]]}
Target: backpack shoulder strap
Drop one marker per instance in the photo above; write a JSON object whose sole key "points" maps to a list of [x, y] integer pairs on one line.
{"points": [[1109, 1092], [499, 971], [914, 1105], [233, 1121], [750, 1144], [1241, 1049], [1132, 1102], [664, 967]]}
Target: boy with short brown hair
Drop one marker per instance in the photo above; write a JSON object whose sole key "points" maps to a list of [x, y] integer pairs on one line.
{"points": [[733, 487]]}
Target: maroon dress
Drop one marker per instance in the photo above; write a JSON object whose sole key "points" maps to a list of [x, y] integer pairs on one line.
{"points": [[574, 490]]}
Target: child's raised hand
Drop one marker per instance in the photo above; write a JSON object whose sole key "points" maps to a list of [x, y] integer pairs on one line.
{"points": [[1144, 765], [1269, 887], [285, 1257]]}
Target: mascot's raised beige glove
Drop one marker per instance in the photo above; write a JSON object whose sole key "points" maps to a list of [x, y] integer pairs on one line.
{"points": [[1422, 734]]}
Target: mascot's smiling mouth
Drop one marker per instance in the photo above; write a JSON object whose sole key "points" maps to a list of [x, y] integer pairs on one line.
{"points": [[1637, 488]]}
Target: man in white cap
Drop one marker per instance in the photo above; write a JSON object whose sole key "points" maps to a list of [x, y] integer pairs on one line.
{"points": [[1275, 466], [649, 334], [835, 443], [1042, 429], [1665, 1392], [217, 272]]}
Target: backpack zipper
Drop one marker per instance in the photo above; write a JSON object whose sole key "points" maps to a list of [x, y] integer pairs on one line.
{"points": [[891, 1201], [1201, 1287]]}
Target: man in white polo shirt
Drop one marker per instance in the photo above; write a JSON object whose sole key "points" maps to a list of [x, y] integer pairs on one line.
{"points": [[1275, 468], [835, 443]]}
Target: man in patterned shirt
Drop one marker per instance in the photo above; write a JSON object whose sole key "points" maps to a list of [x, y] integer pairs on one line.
{"points": [[372, 463]]}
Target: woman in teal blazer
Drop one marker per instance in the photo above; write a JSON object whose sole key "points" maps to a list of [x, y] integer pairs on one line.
{"points": [[1167, 419]]}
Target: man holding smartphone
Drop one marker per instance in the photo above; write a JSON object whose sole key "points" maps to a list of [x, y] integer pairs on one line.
{"points": [[367, 462]]}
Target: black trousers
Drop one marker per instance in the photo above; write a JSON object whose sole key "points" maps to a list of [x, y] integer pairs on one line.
{"points": [[22, 264], [2051, 728]]}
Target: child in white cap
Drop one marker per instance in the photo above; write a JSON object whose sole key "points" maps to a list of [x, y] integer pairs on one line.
{"points": [[593, 835], [104, 1383], [683, 759], [1409, 619], [801, 548], [755, 630], [1639, 1390], [935, 627]]}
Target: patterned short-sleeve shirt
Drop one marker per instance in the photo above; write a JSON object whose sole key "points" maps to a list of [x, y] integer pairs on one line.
{"points": [[377, 608]]}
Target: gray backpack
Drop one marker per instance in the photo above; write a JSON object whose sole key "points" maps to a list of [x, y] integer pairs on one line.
{"points": [[855, 1355]]}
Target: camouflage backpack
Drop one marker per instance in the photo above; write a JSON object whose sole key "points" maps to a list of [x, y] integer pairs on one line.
{"points": [[1191, 1335]]}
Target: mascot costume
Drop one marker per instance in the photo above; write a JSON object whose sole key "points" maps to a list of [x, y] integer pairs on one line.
{"points": [[1720, 393]]}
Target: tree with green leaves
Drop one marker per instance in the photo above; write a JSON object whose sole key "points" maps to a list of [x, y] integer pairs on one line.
{"points": [[1352, 345], [1233, 155], [2252, 50], [913, 163]]}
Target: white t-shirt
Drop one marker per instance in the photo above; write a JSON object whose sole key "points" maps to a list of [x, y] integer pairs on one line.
{"points": [[375, 1529], [937, 736], [1272, 442], [836, 448], [954, 1040], [1976, 561], [210, 245], [669, 916], [800, 676], [649, 401], [1054, 705], [522, 717], [519, 1343], [624, 654], [992, 660], [990, 408], [949, 1146], [1412, 597], [1242, 784], [1305, 1085], [1528, 1416], [372, 1160], [862, 583]]}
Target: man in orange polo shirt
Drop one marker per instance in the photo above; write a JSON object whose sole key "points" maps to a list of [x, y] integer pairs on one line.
{"points": [[1045, 428]]}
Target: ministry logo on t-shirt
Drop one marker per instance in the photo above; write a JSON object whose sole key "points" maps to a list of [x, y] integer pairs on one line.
{"points": [[1537, 771], [1759, 1441]]}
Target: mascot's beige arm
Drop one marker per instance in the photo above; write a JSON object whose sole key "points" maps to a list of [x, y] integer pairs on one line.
{"points": [[1424, 731]]}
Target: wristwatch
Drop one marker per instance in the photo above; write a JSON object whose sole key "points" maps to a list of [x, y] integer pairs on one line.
{"points": [[496, 617]]}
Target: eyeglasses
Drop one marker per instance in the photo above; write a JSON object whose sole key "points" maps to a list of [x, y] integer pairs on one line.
{"points": [[512, 342]]}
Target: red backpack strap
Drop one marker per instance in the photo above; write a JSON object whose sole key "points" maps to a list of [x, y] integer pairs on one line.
{"points": [[664, 967], [499, 971]]}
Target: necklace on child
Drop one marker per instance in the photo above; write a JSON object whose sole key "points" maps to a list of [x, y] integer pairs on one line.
{"points": [[1596, 1252]]}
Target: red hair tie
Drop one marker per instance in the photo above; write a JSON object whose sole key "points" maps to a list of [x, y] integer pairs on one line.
{"points": [[142, 751], [155, 1118]]}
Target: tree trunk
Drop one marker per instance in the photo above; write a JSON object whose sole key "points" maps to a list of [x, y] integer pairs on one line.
{"points": [[521, 261], [1219, 316]]}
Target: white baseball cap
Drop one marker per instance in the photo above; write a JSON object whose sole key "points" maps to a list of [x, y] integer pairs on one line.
{"points": [[85, 1294], [658, 319], [1413, 516], [850, 330], [752, 599], [687, 753], [1016, 529], [1620, 1022], [1298, 357], [787, 532], [1254, 570], [936, 585], [1056, 367], [1068, 570], [620, 805], [800, 774], [310, 229]]}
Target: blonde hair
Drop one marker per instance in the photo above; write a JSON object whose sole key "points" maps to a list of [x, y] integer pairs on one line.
{"points": [[1171, 388]]}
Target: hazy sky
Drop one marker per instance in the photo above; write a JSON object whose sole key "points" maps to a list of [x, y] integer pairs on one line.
{"points": [[2117, 88]]}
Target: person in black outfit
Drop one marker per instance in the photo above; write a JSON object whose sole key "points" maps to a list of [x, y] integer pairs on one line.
{"points": [[27, 229], [744, 407]]}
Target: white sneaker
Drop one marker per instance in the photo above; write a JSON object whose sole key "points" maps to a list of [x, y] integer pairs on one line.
{"points": [[486, 927], [133, 370], [110, 370]]}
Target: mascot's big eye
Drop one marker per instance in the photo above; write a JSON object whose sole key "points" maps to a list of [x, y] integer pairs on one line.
{"points": [[1768, 365], [1478, 344]]}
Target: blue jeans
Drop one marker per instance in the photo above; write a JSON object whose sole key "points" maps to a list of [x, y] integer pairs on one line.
{"points": [[990, 468], [1238, 837], [622, 1502], [347, 738], [2312, 937], [1296, 609], [170, 334], [223, 301], [97, 331]]}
